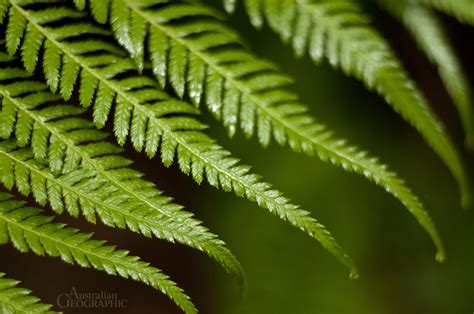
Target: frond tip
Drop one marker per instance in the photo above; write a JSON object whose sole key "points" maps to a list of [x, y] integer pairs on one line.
{"points": [[14, 299], [28, 230]]}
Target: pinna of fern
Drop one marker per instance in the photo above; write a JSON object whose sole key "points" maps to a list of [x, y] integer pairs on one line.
{"points": [[340, 32], [18, 300], [30, 231], [196, 153]]}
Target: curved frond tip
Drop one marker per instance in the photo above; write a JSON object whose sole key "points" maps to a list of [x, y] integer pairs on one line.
{"points": [[28, 230]]}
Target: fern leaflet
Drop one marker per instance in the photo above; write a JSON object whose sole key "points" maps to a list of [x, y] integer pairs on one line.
{"points": [[67, 143], [145, 114], [428, 32], [339, 31], [28, 230], [14, 299]]}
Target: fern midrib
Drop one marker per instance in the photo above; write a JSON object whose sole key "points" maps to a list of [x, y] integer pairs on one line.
{"points": [[79, 193], [170, 33], [114, 261]]}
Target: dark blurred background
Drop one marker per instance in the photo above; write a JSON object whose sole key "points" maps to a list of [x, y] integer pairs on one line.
{"points": [[287, 271]]}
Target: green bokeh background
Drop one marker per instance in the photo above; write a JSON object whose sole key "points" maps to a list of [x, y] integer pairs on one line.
{"points": [[288, 272]]}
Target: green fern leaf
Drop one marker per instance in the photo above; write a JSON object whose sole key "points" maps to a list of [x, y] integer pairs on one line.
{"points": [[253, 88], [463, 10], [339, 31], [155, 122], [429, 33], [69, 143], [14, 299], [221, 171], [28, 230]]}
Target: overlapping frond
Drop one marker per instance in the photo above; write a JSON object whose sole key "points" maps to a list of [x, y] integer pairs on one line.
{"points": [[429, 33], [154, 122], [340, 32], [29, 231], [463, 10], [18, 300], [237, 86], [68, 143]]}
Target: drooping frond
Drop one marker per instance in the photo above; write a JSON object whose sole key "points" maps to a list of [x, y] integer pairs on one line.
{"points": [[68, 143], [17, 300], [339, 31], [29, 231], [141, 111], [237, 86], [430, 36], [136, 114], [463, 10]]}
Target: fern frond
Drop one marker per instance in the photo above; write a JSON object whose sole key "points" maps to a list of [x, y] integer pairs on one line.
{"points": [[463, 10], [198, 154], [237, 86], [339, 31], [68, 143], [155, 122], [428, 31], [28, 230], [17, 300]]}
